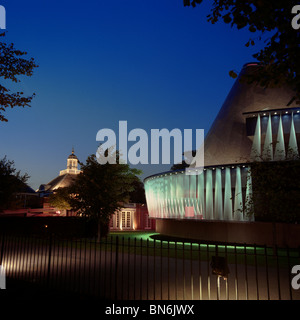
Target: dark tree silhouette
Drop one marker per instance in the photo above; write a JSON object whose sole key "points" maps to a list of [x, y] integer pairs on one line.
{"points": [[270, 22], [12, 65]]}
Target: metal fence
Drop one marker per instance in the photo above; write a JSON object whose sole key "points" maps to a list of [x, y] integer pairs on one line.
{"points": [[126, 268]]}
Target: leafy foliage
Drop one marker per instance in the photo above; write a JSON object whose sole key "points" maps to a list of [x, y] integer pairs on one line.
{"points": [[100, 189], [137, 195], [269, 21], [12, 65], [60, 199], [11, 182], [275, 191]]}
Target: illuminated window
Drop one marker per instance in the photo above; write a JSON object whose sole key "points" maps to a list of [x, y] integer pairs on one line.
{"points": [[126, 220], [117, 221]]}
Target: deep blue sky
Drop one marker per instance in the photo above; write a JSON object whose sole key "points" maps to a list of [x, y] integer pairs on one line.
{"points": [[153, 63]]}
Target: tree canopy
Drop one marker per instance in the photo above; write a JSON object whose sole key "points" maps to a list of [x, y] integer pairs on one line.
{"points": [[269, 22], [11, 182], [101, 189], [275, 191], [12, 65], [60, 199]]}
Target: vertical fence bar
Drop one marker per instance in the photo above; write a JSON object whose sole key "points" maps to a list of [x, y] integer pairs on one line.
{"points": [[31, 264], [116, 267], [17, 253], [24, 257], [218, 277], [154, 273], [141, 268], [110, 268], [80, 265], [122, 271], [236, 283], [289, 272], [226, 283], [52, 277], [147, 269], [104, 268], [128, 267], [256, 273], [18, 258], [183, 270], [70, 262], [95, 266], [246, 274], [278, 272], [208, 272], [13, 263], [200, 273], [161, 270], [267, 271], [192, 279], [100, 267], [2, 248], [12, 255], [57, 262], [134, 267], [39, 260], [75, 265], [90, 265], [84, 282], [176, 295], [63, 260], [168, 270], [49, 261]]}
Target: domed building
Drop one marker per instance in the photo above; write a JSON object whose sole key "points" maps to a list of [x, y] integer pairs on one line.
{"points": [[133, 216], [66, 177]]}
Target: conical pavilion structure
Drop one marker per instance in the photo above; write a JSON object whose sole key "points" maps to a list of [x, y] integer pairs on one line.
{"points": [[254, 123]]}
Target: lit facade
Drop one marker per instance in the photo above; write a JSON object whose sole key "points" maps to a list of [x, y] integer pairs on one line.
{"points": [[253, 124], [132, 216]]}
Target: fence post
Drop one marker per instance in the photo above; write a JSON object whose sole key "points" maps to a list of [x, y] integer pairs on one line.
{"points": [[2, 249], [278, 273], [49, 260], [116, 267]]}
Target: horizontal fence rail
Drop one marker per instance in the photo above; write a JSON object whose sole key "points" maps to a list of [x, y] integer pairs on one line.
{"points": [[124, 268]]}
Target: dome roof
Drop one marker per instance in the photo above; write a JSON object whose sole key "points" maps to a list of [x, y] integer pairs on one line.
{"points": [[62, 181], [72, 155]]}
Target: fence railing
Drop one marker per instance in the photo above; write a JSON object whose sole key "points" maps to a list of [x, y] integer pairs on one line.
{"points": [[125, 268]]}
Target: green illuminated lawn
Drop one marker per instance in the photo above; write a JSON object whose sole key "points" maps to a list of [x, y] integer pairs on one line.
{"points": [[149, 243]]}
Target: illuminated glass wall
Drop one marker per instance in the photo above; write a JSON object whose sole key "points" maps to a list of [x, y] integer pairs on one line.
{"points": [[221, 192], [218, 193]]}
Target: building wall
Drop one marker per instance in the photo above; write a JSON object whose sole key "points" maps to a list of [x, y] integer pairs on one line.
{"points": [[132, 217], [259, 233]]}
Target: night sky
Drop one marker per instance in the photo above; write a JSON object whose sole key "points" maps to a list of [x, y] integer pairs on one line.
{"points": [[156, 64]]}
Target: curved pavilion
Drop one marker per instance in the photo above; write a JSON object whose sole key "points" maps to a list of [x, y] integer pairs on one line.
{"points": [[253, 123]]}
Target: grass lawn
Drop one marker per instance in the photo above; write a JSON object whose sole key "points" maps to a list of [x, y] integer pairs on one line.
{"points": [[164, 246]]}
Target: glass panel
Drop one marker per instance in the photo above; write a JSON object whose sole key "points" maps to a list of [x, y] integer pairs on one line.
{"points": [[128, 225]]}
